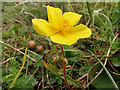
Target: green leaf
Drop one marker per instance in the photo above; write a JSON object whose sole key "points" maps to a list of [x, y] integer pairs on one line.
{"points": [[8, 32], [101, 39], [71, 81], [102, 81], [38, 63], [11, 32], [116, 62], [59, 80], [116, 56], [25, 82], [116, 59], [50, 67]]}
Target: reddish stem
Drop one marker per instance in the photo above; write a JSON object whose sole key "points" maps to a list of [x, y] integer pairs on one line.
{"points": [[64, 73]]}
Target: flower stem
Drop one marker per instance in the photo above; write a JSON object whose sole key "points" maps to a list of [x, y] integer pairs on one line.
{"points": [[64, 73], [109, 75]]}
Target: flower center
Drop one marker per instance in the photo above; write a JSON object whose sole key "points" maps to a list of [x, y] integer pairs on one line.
{"points": [[60, 33], [63, 27], [65, 23]]}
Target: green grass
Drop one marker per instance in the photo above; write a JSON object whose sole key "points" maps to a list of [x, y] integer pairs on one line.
{"points": [[17, 31]]}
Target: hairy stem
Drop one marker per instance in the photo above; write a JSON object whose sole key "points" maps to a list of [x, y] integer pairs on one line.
{"points": [[64, 73]]}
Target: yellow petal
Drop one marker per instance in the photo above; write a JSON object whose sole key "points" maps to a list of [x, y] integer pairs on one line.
{"points": [[72, 18], [68, 40], [80, 31], [42, 27], [54, 16], [71, 37]]}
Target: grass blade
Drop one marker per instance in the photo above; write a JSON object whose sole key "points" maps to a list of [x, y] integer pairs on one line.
{"points": [[24, 59], [90, 13], [109, 75]]}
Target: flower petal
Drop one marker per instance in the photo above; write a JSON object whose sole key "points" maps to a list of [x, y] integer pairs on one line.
{"points": [[42, 27], [54, 16], [80, 31], [71, 37], [72, 18], [68, 40]]}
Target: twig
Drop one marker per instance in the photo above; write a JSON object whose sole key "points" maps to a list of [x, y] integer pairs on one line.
{"points": [[42, 79], [34, 73], [82, 77], [7, 60], [116, 73], [49, 82], [88, 21], [111, 65], [39, 86], [114, 38], [28, 13], [21, 3], [113, 52], [17, 50]]}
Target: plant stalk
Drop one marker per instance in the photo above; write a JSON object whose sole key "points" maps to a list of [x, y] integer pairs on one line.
{"points": [[64, 73]]}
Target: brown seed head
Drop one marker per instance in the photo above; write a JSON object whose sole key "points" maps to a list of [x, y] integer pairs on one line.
{"points": [[31, 44], [40, 48]]}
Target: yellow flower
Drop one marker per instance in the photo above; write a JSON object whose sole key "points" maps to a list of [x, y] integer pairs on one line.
{"points": [[61, 27]]}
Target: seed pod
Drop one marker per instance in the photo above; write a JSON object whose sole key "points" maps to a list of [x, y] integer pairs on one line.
{"points": [[40, 48], [31, 44]]}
